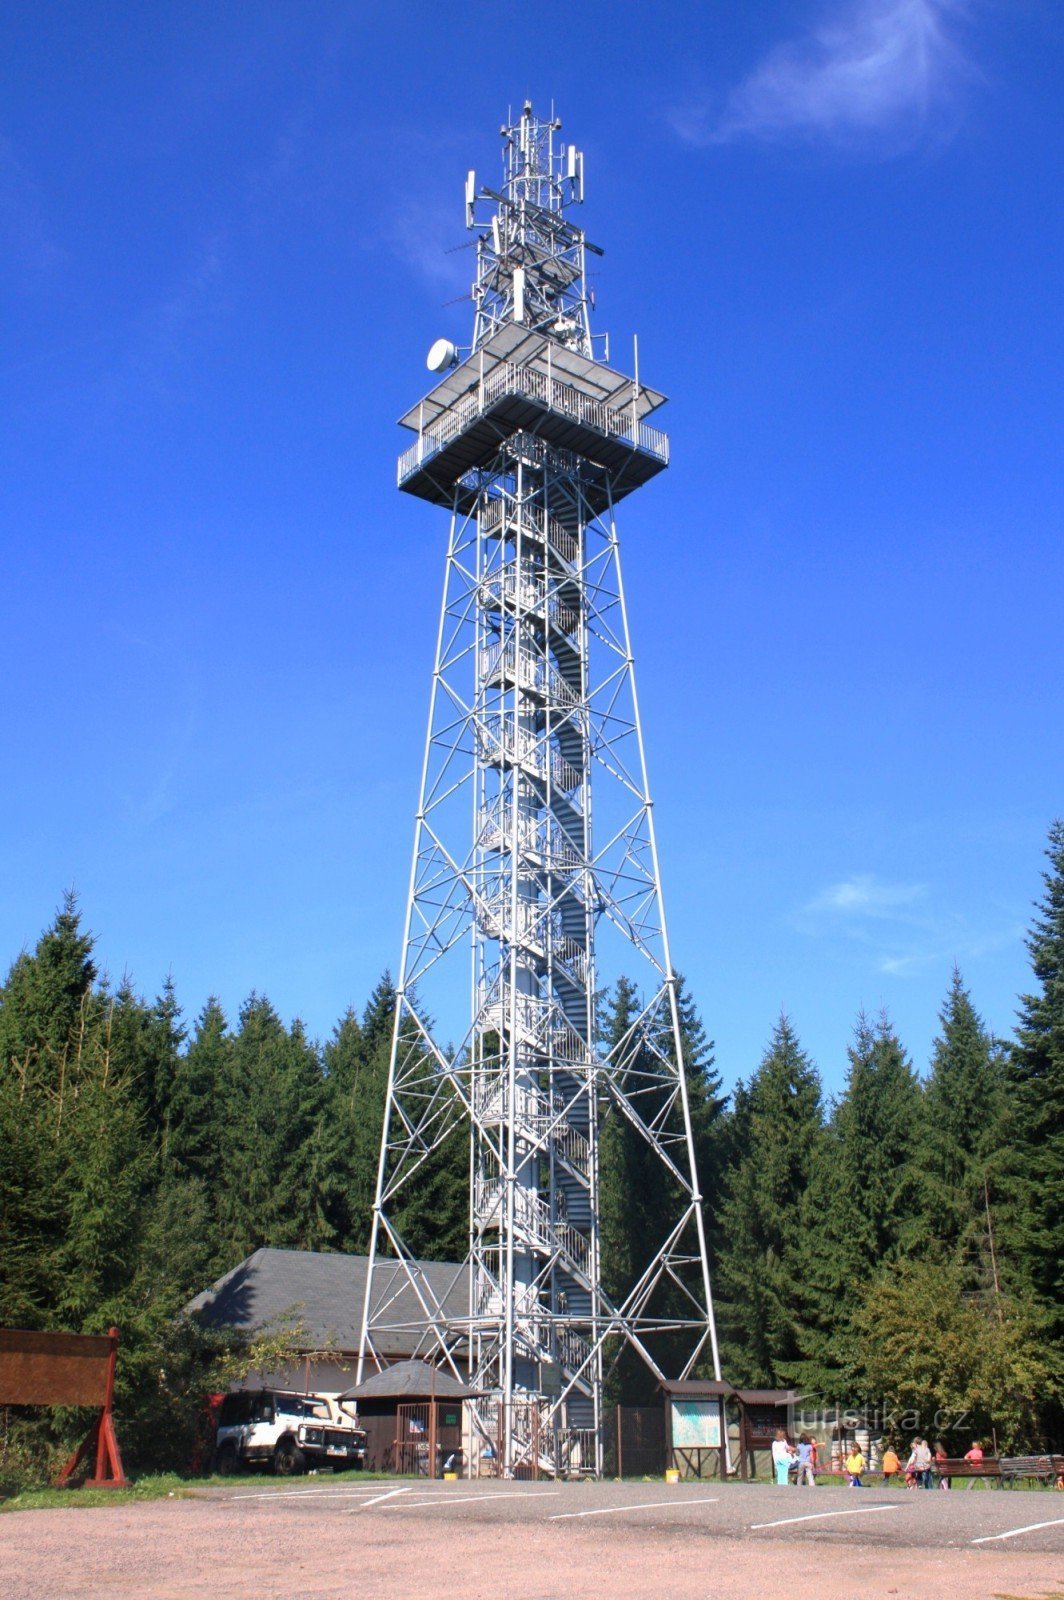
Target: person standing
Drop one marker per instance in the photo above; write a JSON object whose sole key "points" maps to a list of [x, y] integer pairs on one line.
{"points": [[855, 1465], [806, 1472], [782, 1456], [891, 1464], [940, 1457], [919, 1463]]}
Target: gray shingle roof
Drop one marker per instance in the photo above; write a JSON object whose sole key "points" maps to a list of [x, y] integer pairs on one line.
{"points": [[409, 1380], [323, 1293]]}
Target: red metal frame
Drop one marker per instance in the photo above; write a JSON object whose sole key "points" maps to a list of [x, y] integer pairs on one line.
{"points": [[100, 1442]]}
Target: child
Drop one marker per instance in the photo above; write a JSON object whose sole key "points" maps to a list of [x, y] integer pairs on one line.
{"points": [[782, 1457], [891, 1464], [855, 1465]]}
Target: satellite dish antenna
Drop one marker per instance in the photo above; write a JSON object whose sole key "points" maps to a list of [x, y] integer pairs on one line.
{"points": [[442, 356]]}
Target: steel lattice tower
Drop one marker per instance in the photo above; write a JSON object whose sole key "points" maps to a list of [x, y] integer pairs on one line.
{"points": [[523, 898]]}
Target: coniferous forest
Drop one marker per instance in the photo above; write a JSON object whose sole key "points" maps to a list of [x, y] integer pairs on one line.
{"points": [[900, 1247]]}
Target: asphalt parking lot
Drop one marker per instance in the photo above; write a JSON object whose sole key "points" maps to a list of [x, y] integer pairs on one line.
{"points": [[334, 1538], [919, 1519]]}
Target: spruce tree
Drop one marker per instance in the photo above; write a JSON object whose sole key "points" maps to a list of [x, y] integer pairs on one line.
{"points": [[630, 1193], [776, 1135], [108, 1161], [275, 1107], [202, 1105], [1031, 1180], [78, 1158], [707, 1105], [148, 1039], [344, 1059], [637, 1198], [44, 999], [963, 1103], [356, 1067], [867, 1202]]}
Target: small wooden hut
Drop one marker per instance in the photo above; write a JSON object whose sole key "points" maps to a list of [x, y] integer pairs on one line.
{"points": [[413, 1416]]}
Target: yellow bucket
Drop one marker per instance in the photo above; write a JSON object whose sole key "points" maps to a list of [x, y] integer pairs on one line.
{"points": [[672, 1474], [451, 1477]]}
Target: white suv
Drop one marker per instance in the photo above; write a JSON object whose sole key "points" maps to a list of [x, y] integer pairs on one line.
{"points": [[286, 1431]]}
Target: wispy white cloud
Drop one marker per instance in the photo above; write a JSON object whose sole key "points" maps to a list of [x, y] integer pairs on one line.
{"points": [[898, 925], [428, 237], [865, 896], [872, 70]]}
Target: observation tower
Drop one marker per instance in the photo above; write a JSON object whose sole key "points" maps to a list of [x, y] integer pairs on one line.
{"points": [[535, 882]]}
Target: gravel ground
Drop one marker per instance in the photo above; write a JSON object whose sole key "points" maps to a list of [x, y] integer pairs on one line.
{"points": [[510, 1542]]}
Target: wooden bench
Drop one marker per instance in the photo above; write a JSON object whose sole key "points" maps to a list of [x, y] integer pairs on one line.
{"points": [[988, 1470], [1037, 1469]]}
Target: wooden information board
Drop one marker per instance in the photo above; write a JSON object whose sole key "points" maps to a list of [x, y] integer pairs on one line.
{"points": [[67, 1369]]}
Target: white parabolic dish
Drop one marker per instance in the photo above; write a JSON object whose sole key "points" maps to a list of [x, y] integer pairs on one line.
{"points": [[442, 355]]}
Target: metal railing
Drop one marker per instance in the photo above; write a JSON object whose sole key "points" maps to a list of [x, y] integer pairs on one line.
{"points": [[515, 588], [531, 924], [497, 918], [529, 1014], [535, 527], [532, 1215], [510, 378], [577, 1450], [538, 1022], [573, 1349], [507, 663], [503, 742], [535, 1116], [536, 836]]}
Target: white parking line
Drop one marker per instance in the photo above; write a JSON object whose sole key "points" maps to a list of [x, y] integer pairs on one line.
{"points": [[818, 1516], [377, 1500], [1014, 1533], [445, 1500], [300, 1494], [647, 1505]]}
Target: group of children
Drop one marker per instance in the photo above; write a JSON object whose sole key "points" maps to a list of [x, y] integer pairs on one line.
{"points": [[918, 1470], [786, 1456]]}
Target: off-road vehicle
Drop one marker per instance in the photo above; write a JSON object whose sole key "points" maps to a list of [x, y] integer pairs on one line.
{"points": [[289, 1432]]}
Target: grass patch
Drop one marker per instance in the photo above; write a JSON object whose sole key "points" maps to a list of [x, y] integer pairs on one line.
{"points": [[167, 1485], [158, 1487]]}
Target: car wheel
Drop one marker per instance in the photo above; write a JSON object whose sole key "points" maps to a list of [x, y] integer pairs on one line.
{"points": [[225, 1459], [288, 1459]]}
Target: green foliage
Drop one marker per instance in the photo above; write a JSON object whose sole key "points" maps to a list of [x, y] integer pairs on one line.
{"points": [[356, 1066], [139, 1165], [964, 1103], [776, 1140], [866, 1203], [637, 1202], [1030, 1173], [966, 1365]]}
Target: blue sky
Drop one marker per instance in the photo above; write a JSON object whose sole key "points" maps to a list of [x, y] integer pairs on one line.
{"points": [[227, 237]]}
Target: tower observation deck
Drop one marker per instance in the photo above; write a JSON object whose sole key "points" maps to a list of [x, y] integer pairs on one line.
{"points": [[535, 881]]}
